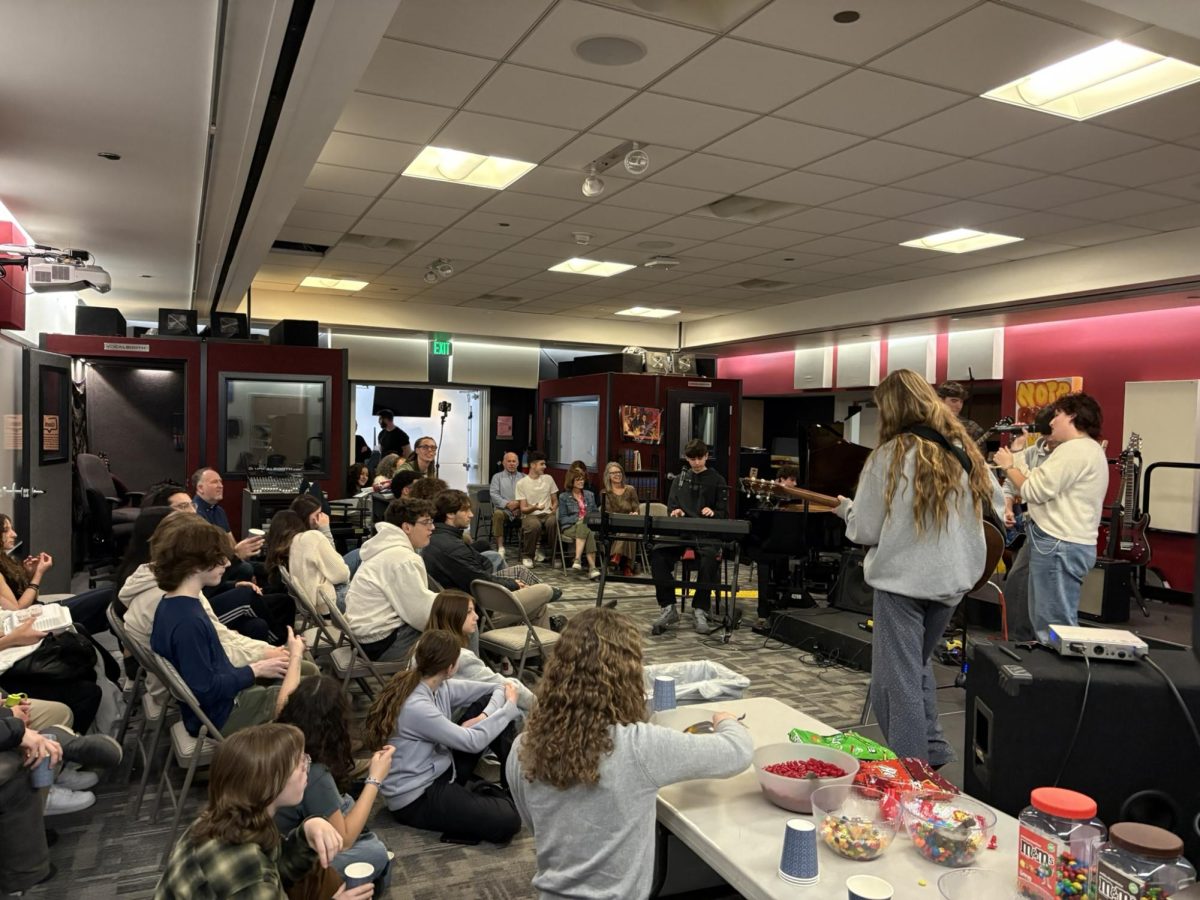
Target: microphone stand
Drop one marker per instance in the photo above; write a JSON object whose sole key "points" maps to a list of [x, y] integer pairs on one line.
{"points": [[437, 459]]}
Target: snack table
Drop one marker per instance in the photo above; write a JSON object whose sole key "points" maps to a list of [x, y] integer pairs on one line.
{"points": [[732, 826]]}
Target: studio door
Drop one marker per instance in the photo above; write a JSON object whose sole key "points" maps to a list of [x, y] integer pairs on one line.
{"points": [[43, 499], [698, 414]]}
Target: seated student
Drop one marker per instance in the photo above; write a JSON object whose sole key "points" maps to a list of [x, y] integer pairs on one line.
{"points": [[358, 478], [320, 709], [573, 508], [537, 495], [455, 564], [402, 483], [454, 611], [389, 599], [169, 493], [233, 849], [587, 768], [185, 559], [386, 469], [434, 758], [423, 459], [309, 555]]}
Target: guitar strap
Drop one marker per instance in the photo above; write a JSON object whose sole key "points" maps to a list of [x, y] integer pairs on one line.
{"points": [[924, 431]]}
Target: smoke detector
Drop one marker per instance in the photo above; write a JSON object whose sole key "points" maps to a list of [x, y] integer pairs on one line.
{"points": [[661, 262]]}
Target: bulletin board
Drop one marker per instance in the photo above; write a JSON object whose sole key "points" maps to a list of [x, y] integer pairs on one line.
{"points": [[1167, 416]]}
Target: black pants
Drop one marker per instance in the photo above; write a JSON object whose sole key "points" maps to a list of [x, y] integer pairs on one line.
{"points": [[83, 697], [24, 859], [772, 572], [662, 567], [244, 611]]}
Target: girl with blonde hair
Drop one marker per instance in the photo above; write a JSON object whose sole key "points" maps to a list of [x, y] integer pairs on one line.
{"points": [[620, 497], [587, 768], [917, 511], [386, 469]]}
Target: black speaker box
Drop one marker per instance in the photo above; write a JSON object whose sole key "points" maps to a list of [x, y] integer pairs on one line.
{"points": [[1135, 754], [606, 362], [706, 366], [1106, 591], [99, 320], [851, 591], [295, 332]]}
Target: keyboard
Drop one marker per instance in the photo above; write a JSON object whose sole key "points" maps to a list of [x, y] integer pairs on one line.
{"points": [[670, 526]]}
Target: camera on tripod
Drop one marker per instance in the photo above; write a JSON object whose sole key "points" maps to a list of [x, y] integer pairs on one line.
{"points": [[444, 407]]}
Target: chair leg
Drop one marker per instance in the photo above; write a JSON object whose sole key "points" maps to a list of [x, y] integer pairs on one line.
{"points": [[162, 721], [182, 799], [131, 702], [1003, 616]]}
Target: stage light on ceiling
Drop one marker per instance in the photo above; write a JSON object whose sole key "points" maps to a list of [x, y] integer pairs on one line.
{"points": [[460, 167], [593, 185], [637, 160], [961, 240], [578, 266]]}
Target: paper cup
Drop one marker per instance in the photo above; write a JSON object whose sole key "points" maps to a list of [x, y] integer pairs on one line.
{"points": [[798, 863], [255, 532], [42, 775], [868, 887], [664, 693], [357, 874]]}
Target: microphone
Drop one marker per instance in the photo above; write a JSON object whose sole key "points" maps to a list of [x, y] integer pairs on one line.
{"points": [[1015, 428]]}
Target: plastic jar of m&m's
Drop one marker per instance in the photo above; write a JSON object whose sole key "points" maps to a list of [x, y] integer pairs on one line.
{"points": [[1057, 841], [1141, 862]]}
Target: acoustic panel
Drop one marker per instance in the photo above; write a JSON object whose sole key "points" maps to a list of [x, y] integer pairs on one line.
{"points": [[476, 362], [975, 354], [380, 359], [858, 364], [918, 354], [814, 369], [1167, 416]]}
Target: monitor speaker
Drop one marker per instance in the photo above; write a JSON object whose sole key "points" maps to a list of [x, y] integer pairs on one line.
{"points": [[177, 323], [295, 332], [99, 320], [851, 591], [706, 366], [1106, 592]]}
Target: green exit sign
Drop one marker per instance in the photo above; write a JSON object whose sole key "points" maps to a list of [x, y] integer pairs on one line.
{"points": [[441, 345]]}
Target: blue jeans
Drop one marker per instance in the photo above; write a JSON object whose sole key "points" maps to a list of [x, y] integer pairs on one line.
{"points": [[1056, 572], [496, 559], [368, 848], [353, 559]]}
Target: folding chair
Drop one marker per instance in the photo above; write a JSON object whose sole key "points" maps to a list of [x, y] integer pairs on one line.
{"points": [[350, 661], [311, 624], [483, 516], [515, 642], [152, 715], [133, 693], [188, 752]]}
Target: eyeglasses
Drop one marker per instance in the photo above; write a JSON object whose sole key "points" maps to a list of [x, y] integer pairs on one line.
{"points": [[428, 523], [427, 447]]}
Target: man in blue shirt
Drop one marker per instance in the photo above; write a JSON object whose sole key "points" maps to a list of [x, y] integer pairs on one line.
{"points": [[210, 491], [505, 505]]}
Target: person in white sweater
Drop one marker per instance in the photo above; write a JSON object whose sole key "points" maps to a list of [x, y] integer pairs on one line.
{"points": [[389, 599], [586, 771], [300, 539], [1065, 496]]}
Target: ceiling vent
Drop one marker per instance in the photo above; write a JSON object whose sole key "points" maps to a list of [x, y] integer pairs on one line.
{"points": [[379, 242], [761, 284], [299, 249], [751, 210], [661, 262], [499, 299]]}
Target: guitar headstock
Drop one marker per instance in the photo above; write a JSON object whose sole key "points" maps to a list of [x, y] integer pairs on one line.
{"points": [[1003, 423], [1135, 442]]}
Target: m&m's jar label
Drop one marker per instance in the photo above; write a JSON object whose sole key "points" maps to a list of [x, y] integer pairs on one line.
{"points": [[1036, 855], [1113, 884]]}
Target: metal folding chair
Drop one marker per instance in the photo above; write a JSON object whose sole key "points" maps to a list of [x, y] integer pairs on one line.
{"points": [[350, 660], [318, 636], [515, 642]]}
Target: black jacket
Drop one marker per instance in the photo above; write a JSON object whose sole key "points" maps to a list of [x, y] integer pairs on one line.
{"points": [[12, 730], [454, 563], [691, 493]]}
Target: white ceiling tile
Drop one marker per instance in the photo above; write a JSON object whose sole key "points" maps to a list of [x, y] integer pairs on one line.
{"points": [[809, 26], [347, 181], [657, 119], [563, 184], [821, 220], [561, 99], [808, 188], [391, 119], [359, 152], [400, 69], [263, 285], [869, 103], [782, 143], [697, 228], [1026, 249], [302, 218], [491, 223], [891, 231], [586, 148], [889, 202], [965, 214], [1087, 16], [1188, 186], [1090, 235], [329, 201], [483, 27], [633, 242], [1068, 148], [350, 254], [747, 76], [1168, 219], [1048, 192], [1036, 224], [456, 253], [855, 282], [975, 127], [532, 206], [984, 48], [739, 271], [715, 173], [1145, 166], [494, 136], [839, 246], [607, 216], [847, 265], [422, 213], [719, 250], [907, 256], [339, 267], [906, 272], [662, 198], [309, 235], [390, 228], [880, 162], [438, 193], [1193, 141], [968, 178], [551, 46], [1169, 116], [283, 274], [764, 236], [1120, 205]]}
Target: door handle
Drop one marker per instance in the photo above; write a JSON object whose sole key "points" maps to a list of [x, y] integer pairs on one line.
{"points": [[33, 492]]}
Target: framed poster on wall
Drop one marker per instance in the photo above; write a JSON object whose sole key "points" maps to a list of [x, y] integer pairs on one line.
{"points": [[641, 424], [1034, 393]]}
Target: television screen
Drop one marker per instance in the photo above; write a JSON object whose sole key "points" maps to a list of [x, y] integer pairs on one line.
{"points": [[410, 403]]}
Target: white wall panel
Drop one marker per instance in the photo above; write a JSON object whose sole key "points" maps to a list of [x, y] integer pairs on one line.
{"points": [[975, 354], [384, 359], [918, 354], [500, 365], [814, 369], [858, 364]]}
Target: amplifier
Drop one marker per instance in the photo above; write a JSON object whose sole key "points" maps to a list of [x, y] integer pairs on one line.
{"points": [[851, 591], [1107, 591], [99, 320], [295, 332], [1134, 755]]}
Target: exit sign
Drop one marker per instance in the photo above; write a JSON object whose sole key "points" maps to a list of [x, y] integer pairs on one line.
{"points": [[441, 345]]}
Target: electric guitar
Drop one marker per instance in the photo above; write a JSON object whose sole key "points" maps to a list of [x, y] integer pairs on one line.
{"points": [[1125, 537]]}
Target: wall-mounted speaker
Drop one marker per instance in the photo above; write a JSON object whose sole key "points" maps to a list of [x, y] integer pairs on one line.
{"points": [[230, 326], [177, 323], [658, 362], [99, 320], [295, 332]]}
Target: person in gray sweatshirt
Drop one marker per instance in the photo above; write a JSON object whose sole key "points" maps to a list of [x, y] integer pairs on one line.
{"points": [[586, 771], [428, 783], [917, 511]]}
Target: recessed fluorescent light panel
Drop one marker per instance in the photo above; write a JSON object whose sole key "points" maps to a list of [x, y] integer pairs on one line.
{"points": [[591, 267], [961, 240], [647, 312], [1097, 81], [333, 284], [458, 167]]}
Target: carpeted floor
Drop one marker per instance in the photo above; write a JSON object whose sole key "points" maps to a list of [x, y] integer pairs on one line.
{"points": [[107, 852]]}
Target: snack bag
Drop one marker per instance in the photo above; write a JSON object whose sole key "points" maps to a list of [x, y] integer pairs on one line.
{"points": [[856, 745]]}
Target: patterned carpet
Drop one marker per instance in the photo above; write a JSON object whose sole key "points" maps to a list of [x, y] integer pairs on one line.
{"points": [[105, 852]]}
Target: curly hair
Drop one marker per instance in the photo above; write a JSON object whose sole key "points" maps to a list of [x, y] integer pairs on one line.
{"points": [[251, 768], [188, 546], [592, 682], [319, 708], [906, 399], [427, 488], [436, 651], [449, 613], [1084, 410], [387, 466]]}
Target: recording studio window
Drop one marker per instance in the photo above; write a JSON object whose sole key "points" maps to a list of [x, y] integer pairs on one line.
{"points": [[572, 430], [274, 422]]}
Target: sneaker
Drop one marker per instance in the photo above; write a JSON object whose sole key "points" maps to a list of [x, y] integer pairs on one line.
{"points": [[62, 802], [540, 556], [527, 562], [668, 617], [594, 574], [50, 873], [558, 623], [506, 667], [577, 566], [96, 751], [555, 594], [76, 779], [701, 621]]}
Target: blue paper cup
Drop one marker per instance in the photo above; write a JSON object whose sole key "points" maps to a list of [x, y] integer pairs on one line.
{"points": [[868, 887], [798, 864], [357, 874], [664, 693], [42, 775]]}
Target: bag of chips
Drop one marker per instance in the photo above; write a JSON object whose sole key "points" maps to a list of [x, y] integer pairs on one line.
{"points": [[847, 741]]}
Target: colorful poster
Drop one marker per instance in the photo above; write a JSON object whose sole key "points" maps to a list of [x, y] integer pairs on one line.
{"points": [[504, 426], [641, 424], [1035, 393]]}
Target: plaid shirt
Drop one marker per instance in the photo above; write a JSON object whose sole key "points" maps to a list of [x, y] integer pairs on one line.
{"points": [[215, 870]]}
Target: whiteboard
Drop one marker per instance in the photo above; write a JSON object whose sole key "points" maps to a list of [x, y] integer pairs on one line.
{"points": [[1167, 416]]}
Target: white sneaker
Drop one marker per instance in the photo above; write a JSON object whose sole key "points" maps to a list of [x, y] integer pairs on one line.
{"points": [[527, 562], [74, 779], [594, 573], [540, 556], [701, 621], [61, 801], [668, 617], [577, 566]]}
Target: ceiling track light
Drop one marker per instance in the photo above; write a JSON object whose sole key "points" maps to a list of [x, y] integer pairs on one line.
{"points": [[637, 160], [438, 270], [593, 185]]}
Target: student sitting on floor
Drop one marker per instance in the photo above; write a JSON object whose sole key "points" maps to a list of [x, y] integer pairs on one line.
{"points": [[427, 784], [587, 769], [234, 849], [319, 708]]}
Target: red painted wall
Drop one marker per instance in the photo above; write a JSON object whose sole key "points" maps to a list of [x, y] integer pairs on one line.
{"points": [[12, 287], [763, 374]]}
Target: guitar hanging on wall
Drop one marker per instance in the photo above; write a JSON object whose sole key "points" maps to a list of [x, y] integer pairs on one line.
{"points": [[1125, 536]]}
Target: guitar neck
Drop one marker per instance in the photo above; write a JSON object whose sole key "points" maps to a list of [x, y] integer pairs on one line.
{"points": [[811, 496]]}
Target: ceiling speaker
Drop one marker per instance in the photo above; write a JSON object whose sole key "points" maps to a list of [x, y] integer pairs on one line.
{"points": [[658, 362], [683, 363]]}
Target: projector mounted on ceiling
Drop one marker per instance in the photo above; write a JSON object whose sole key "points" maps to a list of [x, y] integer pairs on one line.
{"points": [[51, 269]]}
